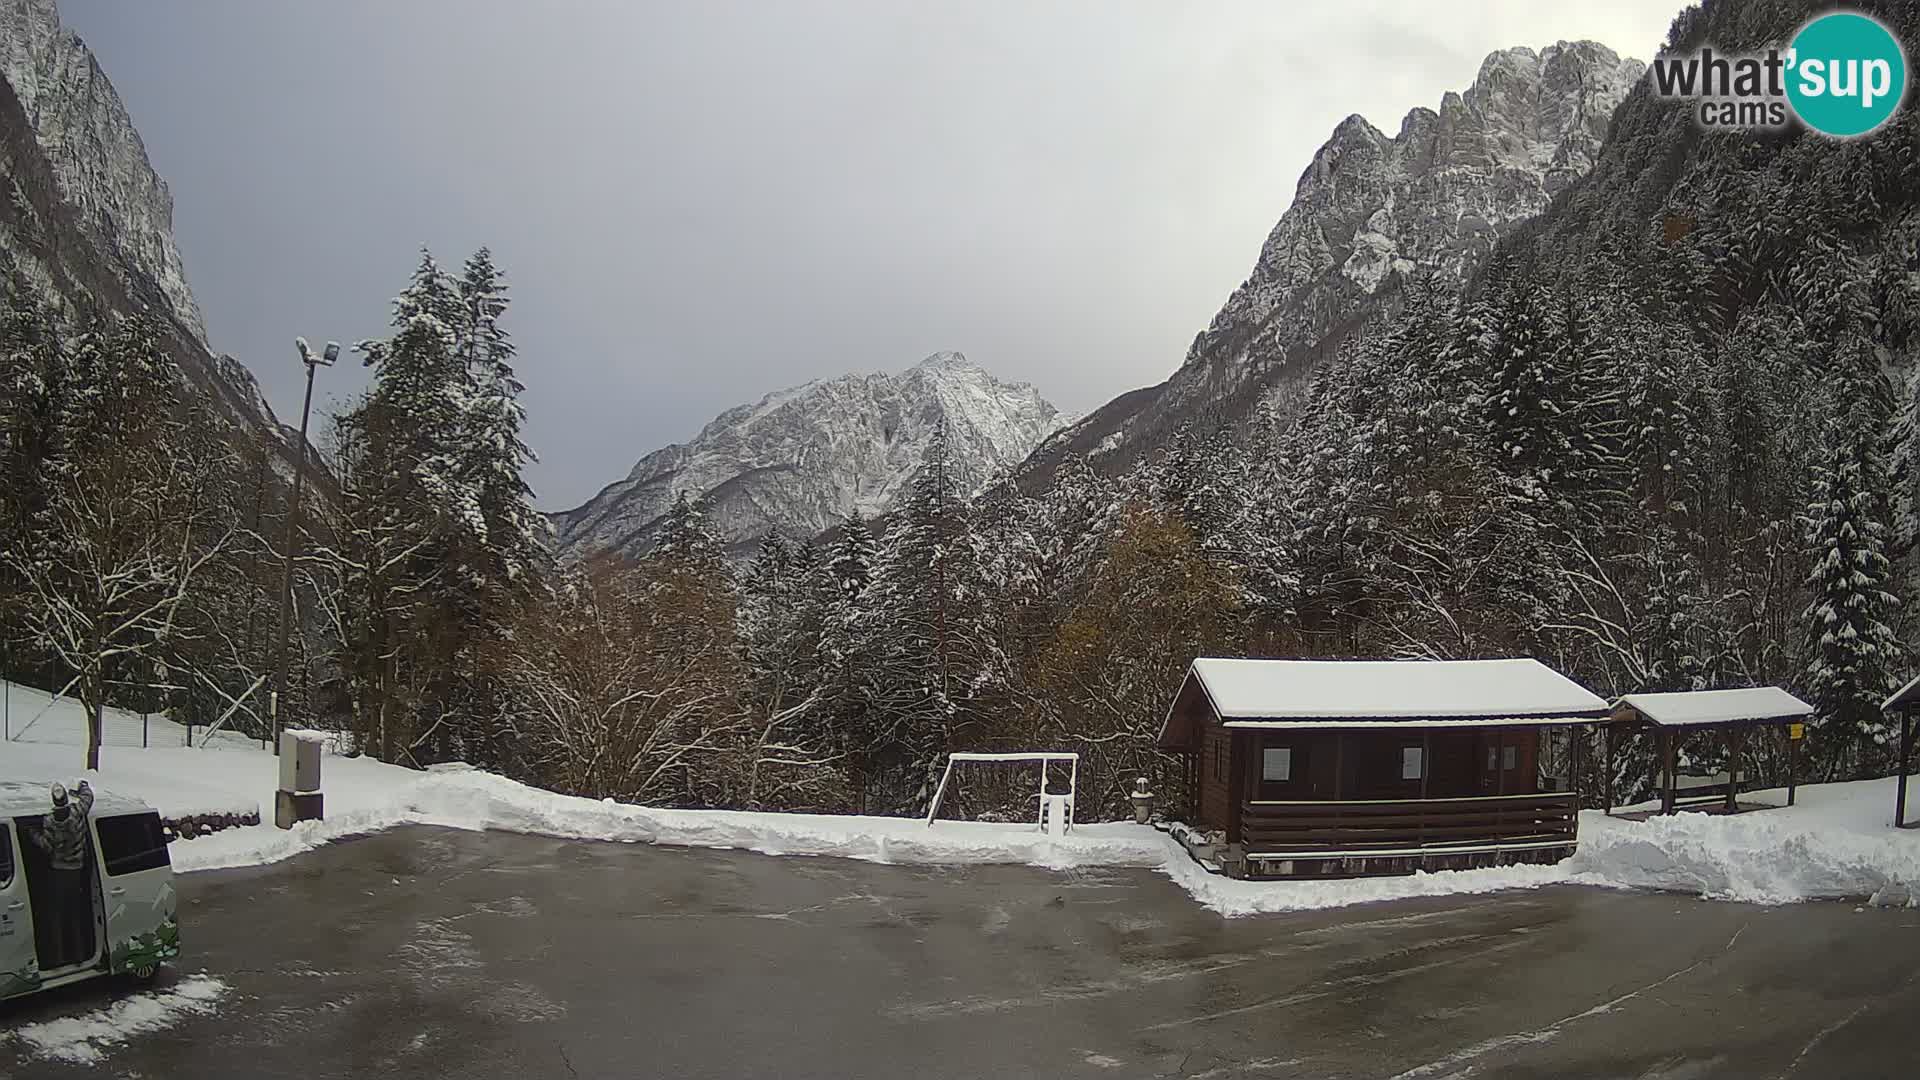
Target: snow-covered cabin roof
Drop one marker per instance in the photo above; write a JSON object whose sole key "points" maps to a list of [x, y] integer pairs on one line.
{"points": [[20, 797], [1683, 708], [1906, 697], [1381, 693]]}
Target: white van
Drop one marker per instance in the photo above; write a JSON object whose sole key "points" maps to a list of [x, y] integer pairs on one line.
{"points": [[135, 914]]}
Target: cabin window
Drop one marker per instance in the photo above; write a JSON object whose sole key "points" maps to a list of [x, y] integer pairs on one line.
{"points": [[1413, 762], [1220, 760], [1509, 757], [1276, 764], [131, 843]]}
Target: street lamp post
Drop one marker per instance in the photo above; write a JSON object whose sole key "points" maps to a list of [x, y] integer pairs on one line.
{"points": [[307, 357]]}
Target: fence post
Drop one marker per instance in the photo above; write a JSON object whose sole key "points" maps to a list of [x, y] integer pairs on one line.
{"points": [[143, 731]]}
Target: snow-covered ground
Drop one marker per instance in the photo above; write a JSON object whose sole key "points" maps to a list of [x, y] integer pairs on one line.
{"points": [[1837, 843], [32, 715], [81, 1040]]}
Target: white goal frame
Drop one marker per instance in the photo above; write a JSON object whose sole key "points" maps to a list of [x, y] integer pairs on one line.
{"points": [[1043, 757]]}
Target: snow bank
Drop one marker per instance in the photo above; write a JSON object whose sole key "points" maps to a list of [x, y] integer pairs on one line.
{"points": [[477, 800], [1232, 897], [80, 1039], [223, 779], [1838, 842]]}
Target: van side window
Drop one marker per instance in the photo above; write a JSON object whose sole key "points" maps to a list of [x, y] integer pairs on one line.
{"points": [[132, 842], [6, 856]]}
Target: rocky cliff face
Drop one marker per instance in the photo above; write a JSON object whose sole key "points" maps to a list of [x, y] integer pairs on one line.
{"points": [[97, 157], [1370, 209], [85, 222], [799, 460]]}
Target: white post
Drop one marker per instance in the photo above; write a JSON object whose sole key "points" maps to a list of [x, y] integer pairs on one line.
{"points": [[939, 792], [1073, 790]]}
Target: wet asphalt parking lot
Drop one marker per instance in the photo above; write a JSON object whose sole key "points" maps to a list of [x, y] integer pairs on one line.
{"points": [[426, 952]]}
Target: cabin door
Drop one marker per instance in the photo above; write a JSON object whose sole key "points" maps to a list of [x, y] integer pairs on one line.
{"points": [[1501, 758], [19, 963]]}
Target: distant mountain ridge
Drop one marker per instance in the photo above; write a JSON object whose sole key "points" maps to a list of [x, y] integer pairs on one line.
{"points": [[1369, 209], [799, 460]]}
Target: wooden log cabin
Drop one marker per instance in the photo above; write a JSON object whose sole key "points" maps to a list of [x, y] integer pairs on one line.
{"points": [[1336, 768]]}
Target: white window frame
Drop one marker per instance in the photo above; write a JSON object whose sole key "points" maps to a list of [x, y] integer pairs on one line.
{"points": [[1267, 759], [1413, 763]]}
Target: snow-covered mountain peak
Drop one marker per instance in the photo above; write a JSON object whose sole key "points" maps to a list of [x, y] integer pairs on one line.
{"points": [[799, 460], [1434, 195], [946, 360], [1431, 199]]}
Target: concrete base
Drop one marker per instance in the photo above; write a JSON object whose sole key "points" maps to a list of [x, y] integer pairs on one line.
{"points": [[289, 807]]}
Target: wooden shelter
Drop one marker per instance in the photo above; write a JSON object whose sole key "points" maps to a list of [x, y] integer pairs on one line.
{"points": [[1903, 702], [1318, 768], [1731, 713]]}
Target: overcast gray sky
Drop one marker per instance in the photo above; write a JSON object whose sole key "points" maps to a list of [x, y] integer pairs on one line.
{"points": [[700, 202]]}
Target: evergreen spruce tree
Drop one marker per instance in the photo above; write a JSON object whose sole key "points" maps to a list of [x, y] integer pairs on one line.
{"points": [[850, 559], [688, 542], [849, 658], [416, 532], [496, 455], [1524, 406], [1853, 652], [925, 626]]}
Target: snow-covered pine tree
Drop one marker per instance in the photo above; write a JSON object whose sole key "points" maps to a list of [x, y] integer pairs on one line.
{"points": [[849, 658], [688, 543], [1269, 572], [784, 593], [33, 372], [850, 557], [515, 533], [421, 395], [1853, 653], [415, 532], [925, 627], [1524, 406]]}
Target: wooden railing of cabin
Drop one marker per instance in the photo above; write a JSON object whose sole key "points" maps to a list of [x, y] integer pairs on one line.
{"points": [[1383, 825]]}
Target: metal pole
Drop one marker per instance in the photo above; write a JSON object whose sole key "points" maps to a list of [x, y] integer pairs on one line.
{"points": [[1735, 740], [1900, 774], [1606, 766], [286, 569], [1576, 754], [1793, 766], [1667, 766]]}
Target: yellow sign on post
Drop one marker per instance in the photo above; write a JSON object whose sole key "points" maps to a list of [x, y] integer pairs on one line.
{"points": [[1796, 731]]}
